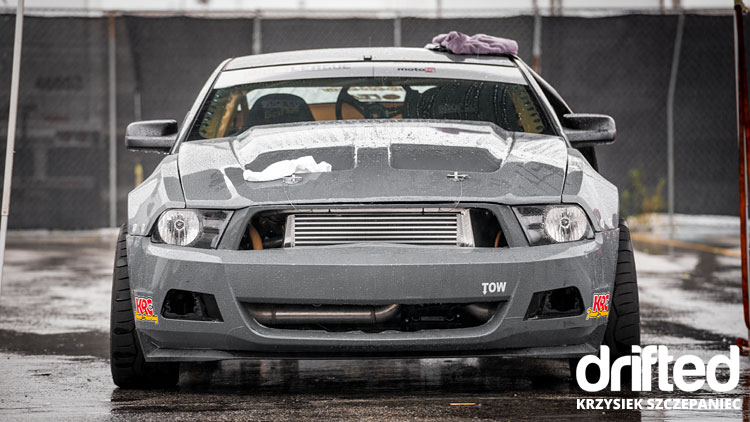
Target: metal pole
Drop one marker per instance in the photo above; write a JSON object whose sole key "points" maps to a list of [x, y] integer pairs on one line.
{"points": [[536, 49], [397, 31], [670, 120], [10, 145], [743, 127], [257, 40], [112, 124]]}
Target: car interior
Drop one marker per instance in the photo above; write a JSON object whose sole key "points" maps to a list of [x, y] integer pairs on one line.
{"points": [[237, 109]]}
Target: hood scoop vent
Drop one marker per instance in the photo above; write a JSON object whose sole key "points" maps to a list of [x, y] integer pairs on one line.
{"points": [[407, 145], [440, 157], [398, 156]]}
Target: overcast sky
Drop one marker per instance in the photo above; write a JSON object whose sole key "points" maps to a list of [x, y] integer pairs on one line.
{"points": [[422, 6]]}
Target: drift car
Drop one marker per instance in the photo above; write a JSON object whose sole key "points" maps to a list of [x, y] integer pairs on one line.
{"points": [[367, 203]]}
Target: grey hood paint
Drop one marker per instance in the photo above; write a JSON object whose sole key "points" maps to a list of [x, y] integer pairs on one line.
{"points": [[377, 162]]}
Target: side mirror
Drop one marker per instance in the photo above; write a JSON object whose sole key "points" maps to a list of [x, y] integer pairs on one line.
{"points": [[584, 130], [151, 136]]}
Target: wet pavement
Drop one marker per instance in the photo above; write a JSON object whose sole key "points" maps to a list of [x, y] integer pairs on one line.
{"points": [[54, 312]]}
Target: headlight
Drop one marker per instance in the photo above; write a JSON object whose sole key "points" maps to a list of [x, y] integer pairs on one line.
{"points": [[548, 224], [186, 227]]}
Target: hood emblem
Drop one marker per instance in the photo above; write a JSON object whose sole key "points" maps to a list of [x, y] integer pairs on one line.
{"points": [[457, 177], [292, 179]]}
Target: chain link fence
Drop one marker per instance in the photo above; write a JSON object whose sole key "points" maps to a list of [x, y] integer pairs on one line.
{"points": [[620, 65]]}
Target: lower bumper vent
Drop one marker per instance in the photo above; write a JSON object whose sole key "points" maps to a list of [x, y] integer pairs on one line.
{"points": [[372, 318]]}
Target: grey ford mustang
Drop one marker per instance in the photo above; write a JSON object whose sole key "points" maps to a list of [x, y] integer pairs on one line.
{"points": [[366, 203]]}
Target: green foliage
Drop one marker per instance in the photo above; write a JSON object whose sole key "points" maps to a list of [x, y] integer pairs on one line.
{"points": [[636, 199]]}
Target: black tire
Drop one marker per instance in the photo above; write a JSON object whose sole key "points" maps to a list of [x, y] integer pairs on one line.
{"points": [[624, 322], [129, 368], [624, 325]]}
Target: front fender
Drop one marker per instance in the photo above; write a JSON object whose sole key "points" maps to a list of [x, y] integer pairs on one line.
{"points": [[161, 191], [598, 197]]}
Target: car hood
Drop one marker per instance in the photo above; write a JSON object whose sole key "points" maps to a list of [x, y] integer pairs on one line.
{"points": [[375, 162]]}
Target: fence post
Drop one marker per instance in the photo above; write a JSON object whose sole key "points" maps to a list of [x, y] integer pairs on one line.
{"points": [[257, 40], [397, 31], [9, 146], [670, 119], [112, 53], [536, 49]]}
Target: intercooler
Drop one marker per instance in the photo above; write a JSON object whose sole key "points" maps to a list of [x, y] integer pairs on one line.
{"points": [[414, 226]]}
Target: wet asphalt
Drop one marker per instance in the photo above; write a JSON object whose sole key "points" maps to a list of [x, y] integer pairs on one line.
{"points": [[54, 317]]}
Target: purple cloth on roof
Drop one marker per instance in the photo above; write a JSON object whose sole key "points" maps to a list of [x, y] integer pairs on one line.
{"points": [[459, 43]]}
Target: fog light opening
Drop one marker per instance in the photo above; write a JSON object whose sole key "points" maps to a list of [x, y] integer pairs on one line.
{"points": [[192, 306], [556, 303]]}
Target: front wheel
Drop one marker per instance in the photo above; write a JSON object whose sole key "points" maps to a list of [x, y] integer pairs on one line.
{"points": [[129, 367], [624, 323]]}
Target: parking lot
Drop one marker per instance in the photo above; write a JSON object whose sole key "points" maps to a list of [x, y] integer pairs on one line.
{"points": [[54, 318]]}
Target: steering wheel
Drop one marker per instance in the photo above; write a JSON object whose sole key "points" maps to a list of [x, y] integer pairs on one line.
{"points": [[367, 110]]}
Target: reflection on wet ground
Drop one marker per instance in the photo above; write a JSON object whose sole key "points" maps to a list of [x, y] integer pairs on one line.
{"points": [[53, 348], [485, 389]]}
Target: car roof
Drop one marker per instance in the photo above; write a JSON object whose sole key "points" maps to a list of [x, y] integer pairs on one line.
{"points": [[388, 54]]}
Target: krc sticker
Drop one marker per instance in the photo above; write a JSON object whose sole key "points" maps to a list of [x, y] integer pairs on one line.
{"points": [[144, 309], [600, 307]]}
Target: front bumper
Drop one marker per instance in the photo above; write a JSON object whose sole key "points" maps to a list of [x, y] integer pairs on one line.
{"points": [[371, 274]]}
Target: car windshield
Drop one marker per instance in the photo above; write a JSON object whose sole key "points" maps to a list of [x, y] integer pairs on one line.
{"points": [[234, 109]]}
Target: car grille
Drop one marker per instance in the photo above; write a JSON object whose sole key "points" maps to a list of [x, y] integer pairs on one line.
{"points": [[421, 226]]}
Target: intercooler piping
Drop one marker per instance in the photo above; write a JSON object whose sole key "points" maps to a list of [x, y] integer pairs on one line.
{"points": [[480, 311], [275, 315], [291, 314], [255, 238]]}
